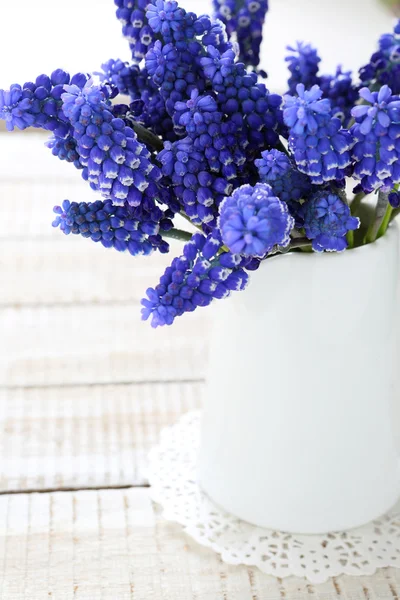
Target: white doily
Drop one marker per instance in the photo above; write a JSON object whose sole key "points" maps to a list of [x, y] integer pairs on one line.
{"points": [[172, 476]]}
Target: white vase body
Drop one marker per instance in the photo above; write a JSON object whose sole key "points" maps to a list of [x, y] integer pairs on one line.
{"points": [[298, 428]]}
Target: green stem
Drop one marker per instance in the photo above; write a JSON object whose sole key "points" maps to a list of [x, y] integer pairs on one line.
{"points": [[146, 136], [350, 239], [177, 234], [385, 222], [356, 202], [380, 213]]}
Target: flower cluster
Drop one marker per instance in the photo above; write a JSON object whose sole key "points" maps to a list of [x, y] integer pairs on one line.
{"points": [[203, 273], [279, 171], [384, 65], [121, 227], [147, 105], [377, 136], [320, 146], [173, 61], [253, 221], [126, 78], [303, 64], [135, 28], [200, 134], [114, 161], [195, 185], [341, 92], [65, 149], [245, 20], [39, 104], [327, 220]]}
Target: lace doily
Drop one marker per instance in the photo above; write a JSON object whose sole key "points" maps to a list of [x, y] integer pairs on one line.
{"points": [[172, 476]]}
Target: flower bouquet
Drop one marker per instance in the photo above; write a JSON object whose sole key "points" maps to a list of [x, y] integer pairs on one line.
{"points": [[257, 175]]}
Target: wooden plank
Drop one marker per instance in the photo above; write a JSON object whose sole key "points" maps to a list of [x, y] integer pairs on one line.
{"points": [[115, 545], [98, 344], [27, 205], [82, 437], [74, 270]]}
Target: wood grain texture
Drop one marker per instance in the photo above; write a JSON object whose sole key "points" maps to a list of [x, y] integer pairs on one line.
{"points": [[73, 270], [88, 344], [114, 545], [85, 436]]}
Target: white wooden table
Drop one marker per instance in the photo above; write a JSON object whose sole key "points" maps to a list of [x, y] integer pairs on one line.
{"points": [[85, 388]]}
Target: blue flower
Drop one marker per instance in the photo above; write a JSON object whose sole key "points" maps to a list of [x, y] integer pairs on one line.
{"points": [[301, 112], [218, 67], [165, 17], [197, 113], [320, 146], [384, 65], [135, 28], [39, 104], [162, 62], [120, 227], [246, 20], [65, 149], [197, 188], [303, 64], [377, 131], [126, 78], [217, 37], [253, 221], [394, 199], [341, 92], [273, 165], [114, 161], [203, 273], [327, 219], [287, 183], [147, 106]]}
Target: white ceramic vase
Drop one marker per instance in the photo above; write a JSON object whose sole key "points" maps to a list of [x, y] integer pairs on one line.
{"points": [[298, 429]]}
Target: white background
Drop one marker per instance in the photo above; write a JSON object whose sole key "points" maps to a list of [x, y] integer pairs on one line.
{"points": [[78, 35]]}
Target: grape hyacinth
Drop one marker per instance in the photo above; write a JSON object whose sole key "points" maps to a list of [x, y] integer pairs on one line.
{"points": [[124, 77], [303, 64], [65, 149], [342, 93], [147, 106], [253, 112], [135, 28], [253, 221], [173, 61], [320, 146], [245, 20], [115, 162], [39, 104], [276, 169], [384, 65], [196, 132], [377, 135], [195, 186], [119, 227], [196, 278], [327, 220]]}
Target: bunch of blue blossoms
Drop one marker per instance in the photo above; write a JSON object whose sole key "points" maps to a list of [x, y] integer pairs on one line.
{"points": [[188, 127]]}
